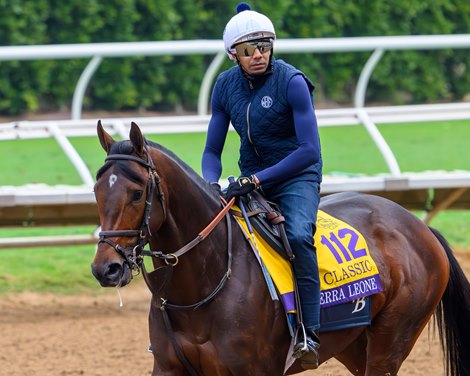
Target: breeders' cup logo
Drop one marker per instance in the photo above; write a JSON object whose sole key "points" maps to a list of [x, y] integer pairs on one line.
{"points": [[359, 304], [266, 102]]}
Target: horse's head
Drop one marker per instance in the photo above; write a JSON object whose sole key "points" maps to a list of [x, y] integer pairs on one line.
{"points": [[126, 186]]}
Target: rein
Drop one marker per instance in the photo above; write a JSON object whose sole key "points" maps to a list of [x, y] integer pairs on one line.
{"points": [[134, 255], [198, 239]]}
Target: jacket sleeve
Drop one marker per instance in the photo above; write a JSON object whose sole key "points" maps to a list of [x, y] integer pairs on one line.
{"points": [[216, 135], [306, 129]]}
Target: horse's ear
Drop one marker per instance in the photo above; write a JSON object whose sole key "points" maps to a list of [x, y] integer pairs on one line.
{"points": [[105, 139], [137, 139]]}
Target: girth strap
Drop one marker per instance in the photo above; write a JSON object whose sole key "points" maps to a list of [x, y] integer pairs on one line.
{"points": [[179, 353]]}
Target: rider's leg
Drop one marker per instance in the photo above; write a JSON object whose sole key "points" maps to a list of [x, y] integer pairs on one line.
{"points": [[298, 202]]}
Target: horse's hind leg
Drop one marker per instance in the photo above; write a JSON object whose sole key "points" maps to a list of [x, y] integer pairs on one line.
{"points": [[390, 339]]}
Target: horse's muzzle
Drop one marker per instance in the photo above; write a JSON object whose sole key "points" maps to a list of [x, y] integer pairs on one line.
{"points": [[112, 274]]}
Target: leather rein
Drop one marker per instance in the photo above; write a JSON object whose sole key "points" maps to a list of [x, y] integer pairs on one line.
{"points": [[134, 255]]}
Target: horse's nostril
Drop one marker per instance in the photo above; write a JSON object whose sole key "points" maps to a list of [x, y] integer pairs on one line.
{"points": [[113, 273]]}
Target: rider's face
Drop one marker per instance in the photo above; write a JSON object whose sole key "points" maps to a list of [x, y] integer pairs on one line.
{"points": [[255, 64]]}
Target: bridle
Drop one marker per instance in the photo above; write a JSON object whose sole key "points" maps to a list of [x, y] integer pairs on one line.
{"points": [[134, 255]]}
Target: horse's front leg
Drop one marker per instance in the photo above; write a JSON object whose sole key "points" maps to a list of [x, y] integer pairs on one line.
{"points": [[251, 349], [257, 340], [198, 348]]}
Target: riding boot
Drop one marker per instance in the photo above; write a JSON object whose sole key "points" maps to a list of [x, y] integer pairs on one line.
{"points": [[307, 349]]}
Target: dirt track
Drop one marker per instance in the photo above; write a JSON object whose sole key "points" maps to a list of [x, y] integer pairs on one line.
{"points": [[49, 335]]}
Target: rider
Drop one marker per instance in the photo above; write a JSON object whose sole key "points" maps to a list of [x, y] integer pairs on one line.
{"points": [[270, 105]]}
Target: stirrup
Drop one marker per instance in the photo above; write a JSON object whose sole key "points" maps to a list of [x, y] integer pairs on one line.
{"points": [[307, 350], [300, 347]]}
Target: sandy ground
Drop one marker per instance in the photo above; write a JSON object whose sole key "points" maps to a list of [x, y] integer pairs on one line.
{"points": [[48, 335]]}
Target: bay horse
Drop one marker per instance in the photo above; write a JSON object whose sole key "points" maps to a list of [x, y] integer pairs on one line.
{"points": [[211, 312]]}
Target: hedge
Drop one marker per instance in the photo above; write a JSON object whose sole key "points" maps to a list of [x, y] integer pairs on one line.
{"points": [[169, 83]]}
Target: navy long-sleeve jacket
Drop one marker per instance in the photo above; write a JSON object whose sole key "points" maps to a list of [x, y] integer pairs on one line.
{"points": [[276, 123]]}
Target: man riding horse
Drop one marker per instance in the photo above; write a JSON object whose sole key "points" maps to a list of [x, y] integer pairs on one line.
{"points": [[269, 103]]}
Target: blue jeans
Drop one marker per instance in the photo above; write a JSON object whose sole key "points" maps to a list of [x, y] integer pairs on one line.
{"points": [[298, 202]]}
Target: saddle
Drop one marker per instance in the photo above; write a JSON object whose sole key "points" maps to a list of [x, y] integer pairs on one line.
{"points": [[267, 220]]}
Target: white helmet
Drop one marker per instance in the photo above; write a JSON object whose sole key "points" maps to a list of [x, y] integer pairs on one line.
{"points": [[246, 25]]}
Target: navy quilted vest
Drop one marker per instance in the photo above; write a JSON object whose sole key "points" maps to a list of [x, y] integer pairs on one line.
{"points": [[262, 118]]}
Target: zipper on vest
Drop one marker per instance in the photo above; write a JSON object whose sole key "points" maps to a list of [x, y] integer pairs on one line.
{"points": [[248, 131]]}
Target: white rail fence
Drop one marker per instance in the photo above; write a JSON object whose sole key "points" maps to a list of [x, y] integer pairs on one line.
{"points": [[450, 188]]}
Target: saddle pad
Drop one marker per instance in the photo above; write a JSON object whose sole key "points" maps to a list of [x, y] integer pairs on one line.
{"points": [[340, 316], [347, 270], [345, 315]]}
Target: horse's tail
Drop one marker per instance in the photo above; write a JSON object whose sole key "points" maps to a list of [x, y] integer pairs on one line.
{"points": [[453, 316]]}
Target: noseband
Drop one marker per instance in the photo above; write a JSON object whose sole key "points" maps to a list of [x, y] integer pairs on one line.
{"points": [[132, 255]]}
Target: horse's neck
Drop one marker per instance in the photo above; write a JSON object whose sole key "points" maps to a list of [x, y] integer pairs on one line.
{"points": [[189, 210], [189, 205]]}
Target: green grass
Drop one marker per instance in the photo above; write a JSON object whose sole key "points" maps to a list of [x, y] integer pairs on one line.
{"points": [[66, 270], [436, 146], [455, 227], [417, 146]]}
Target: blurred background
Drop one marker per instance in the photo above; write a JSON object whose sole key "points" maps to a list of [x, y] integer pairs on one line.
{"points": [[171, 83]]}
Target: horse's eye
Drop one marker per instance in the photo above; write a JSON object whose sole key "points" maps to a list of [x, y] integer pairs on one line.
{"points": [[137, 195]]}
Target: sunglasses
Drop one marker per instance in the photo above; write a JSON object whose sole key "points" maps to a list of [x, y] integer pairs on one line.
{"points": [[249, 48]]}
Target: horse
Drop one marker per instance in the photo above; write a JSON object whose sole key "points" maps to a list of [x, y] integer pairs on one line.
{"points": [[211, 312]]}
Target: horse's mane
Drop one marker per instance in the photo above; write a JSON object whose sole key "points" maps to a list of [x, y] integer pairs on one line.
{"points": [[188, 169], [125, 147], [194, 176]]}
